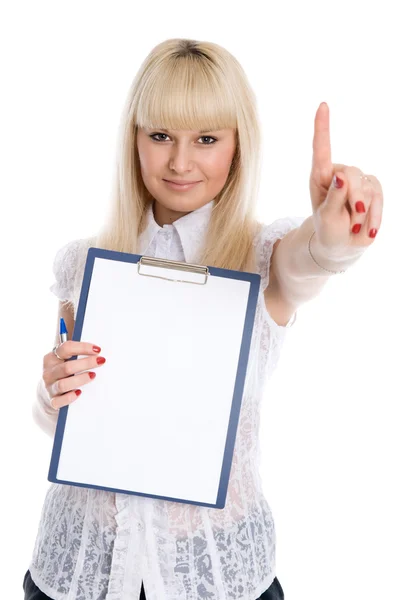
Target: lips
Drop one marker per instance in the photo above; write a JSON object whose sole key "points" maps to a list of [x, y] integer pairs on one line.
{"points": [[181, 182]]}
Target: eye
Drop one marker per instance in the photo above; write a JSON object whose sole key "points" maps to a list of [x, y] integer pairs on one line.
{"points": [[153, 135], [207, 137]]}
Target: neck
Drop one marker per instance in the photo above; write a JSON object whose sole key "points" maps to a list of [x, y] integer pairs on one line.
{"points": [[166, 216]]}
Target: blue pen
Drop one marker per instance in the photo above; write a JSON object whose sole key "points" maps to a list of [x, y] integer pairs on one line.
{"points": [[63, 331]]}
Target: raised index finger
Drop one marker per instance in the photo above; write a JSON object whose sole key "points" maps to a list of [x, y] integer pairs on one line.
{"points": [[321, 161]]}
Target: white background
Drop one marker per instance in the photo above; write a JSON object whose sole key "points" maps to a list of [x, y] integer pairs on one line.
{"points": [[330, 421]]}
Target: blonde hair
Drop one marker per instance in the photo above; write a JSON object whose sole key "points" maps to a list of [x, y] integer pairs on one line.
{"points": [[188, 84]]}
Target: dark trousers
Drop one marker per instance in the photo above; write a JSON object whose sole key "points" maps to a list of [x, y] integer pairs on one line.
{"points": [[32, 592]]}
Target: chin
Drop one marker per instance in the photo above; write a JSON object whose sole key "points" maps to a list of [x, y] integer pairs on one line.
{"points": [[181, 204]]}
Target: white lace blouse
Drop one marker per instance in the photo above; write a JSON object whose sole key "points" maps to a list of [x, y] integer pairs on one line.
{"points": [[99, 545]]}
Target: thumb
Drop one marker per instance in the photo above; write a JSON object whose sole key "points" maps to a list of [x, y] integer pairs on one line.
{"points": [[338, 192]]}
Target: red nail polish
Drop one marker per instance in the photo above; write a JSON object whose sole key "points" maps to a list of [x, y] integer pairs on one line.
{"points": [[92, 375], [78, 392], [372, 233], [100, 360], [360, 207], [338, 183], [96, 349], [356, 228]]}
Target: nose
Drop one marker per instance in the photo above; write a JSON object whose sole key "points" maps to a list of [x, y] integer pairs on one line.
{"points": [[181, 159]]}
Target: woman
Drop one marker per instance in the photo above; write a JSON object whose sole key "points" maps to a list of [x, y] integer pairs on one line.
{"points": [[101, 545]]}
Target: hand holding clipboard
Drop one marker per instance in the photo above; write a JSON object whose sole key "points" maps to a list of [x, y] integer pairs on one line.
{"points": [[60, 386]]}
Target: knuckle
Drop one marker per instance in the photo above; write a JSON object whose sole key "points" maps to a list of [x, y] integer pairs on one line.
{"points": [[69, 367], [352, 171], [67, 346], [376, 182], [47, 360], [60, 386], [61, 347]]}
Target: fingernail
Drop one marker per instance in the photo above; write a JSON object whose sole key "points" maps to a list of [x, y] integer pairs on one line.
{"points": [[360, 207], [78, 392], [372, 233], [92, 375], [100, 360], [356, 228], [96, 349], [337, 182]]}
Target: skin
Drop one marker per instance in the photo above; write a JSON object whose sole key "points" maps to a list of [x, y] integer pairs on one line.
{"points": [[184, 155], [59, 384], [345, 220], [337, 210], [187, 155]]}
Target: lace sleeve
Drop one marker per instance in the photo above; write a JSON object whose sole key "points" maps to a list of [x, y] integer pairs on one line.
{"points": [[268, 235], [42, 412], [64, 269]]}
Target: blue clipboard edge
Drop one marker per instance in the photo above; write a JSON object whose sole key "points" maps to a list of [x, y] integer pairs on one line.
{"points": [[254, 280]]}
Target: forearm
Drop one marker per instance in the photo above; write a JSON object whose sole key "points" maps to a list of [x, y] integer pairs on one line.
{"points": [[43, 414], [299, 277]]}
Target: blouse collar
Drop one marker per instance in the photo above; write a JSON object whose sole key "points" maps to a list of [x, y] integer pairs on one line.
{"points": [[191, 229]]}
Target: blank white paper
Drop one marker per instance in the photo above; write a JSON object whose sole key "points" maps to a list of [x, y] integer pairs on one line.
{"points": [[156, 417]]}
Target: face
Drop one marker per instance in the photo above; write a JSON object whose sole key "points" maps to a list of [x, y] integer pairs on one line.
{"points": [[202, 157]]}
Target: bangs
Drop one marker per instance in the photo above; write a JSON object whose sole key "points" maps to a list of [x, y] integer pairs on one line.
{"points": [[184, 94]]}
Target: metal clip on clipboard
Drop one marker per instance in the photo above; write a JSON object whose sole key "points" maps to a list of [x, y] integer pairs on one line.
{"points": [[175, 265]]}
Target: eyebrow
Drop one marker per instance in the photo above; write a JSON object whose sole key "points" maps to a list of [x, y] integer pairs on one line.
{"points": [[203, 130]]}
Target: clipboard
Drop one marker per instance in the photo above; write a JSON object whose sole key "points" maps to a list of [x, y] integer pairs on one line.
{"points": [[160, 418]]}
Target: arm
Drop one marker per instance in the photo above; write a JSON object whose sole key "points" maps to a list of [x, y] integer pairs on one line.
{"points": [[295, 277]]}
